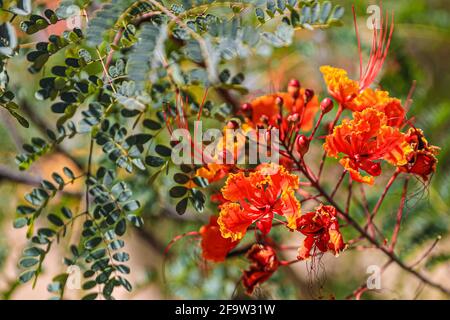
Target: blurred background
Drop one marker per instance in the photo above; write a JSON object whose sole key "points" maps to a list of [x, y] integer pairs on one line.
{"points": [[419, 51]]}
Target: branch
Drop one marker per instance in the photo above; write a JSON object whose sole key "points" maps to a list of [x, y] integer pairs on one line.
{"points": [[363, 232]]}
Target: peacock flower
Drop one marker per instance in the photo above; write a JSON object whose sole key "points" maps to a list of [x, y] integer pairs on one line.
{"points": [[217, 169], [264, 264], [340, 86], [364, 140], [422, 160], [380, 100], [321, 229], [214, 247], [255, 198], [266, 112]]}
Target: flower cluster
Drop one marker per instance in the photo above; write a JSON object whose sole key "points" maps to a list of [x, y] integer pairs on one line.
{"points": [[254, 199]]}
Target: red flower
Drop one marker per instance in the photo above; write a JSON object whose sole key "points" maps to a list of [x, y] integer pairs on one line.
{"points": [[422, 160], [321, 229], [256, 198], [364, 140], [264, 264], [214, 246]]}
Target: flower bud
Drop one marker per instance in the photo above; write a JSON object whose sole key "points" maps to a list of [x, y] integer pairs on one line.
{"points": [[326, 105], [293, 88], [309, 94], [279, 101], [264, 119], [302, 144], [232, 124], [293, 117], [246, 108]]}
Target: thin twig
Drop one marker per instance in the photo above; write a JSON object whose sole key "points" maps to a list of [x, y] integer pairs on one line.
{"points": [[399, 216]]}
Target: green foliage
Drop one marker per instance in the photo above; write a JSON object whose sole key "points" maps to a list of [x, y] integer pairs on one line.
{"points": [[119, 78]]}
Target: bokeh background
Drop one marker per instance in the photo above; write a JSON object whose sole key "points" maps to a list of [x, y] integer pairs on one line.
{"points": [[419, 51]]}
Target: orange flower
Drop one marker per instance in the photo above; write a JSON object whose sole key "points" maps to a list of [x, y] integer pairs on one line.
{"points": [[340, 87], [213, 171], [214, 246], [380, 100], [256, 198], [364, 140], [265, 111], [422, 161], [264, 264], [321, 229]]}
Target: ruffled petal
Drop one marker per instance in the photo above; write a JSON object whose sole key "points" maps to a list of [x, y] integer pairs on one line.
{"points": [[233, 221], [214, 246]]}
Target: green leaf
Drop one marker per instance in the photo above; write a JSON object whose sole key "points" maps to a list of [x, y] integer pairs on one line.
{"points": [[151, 124], [69, 173], [26, 276], [28, 262], [181, 178], [54, 219], [143, 59], [178, 191], [90, 296], [92, 243], [181, 206], [89, 285], [121, 227], [20, 223], [121, 256], [153, 161], [131, 206], [135, 220], [163, 150]]}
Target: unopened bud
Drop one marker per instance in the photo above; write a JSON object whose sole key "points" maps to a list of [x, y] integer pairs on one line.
{"points": [[293, 88], [309, 94], [232, 124], [279, 101], [326, 105], [293, 117], [264, 119], [302, 144], [246, 108]]}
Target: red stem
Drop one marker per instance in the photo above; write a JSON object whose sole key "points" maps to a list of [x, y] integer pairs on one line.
{"points": [[399, 216]]}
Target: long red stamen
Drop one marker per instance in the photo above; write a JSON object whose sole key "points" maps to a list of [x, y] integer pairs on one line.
{"points": [[380, 46], [359, 41]]}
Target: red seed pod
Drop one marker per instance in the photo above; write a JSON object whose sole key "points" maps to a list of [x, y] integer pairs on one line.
{"points": [[326, 105], [309, 94], [293, 88], [302, 144]]}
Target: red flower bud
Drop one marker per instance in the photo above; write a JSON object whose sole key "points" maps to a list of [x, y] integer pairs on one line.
{"points": [[326, 105], [309, 94], [246, 108], [232, 124], [279, 101], [293, 88], [302, 144]]}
